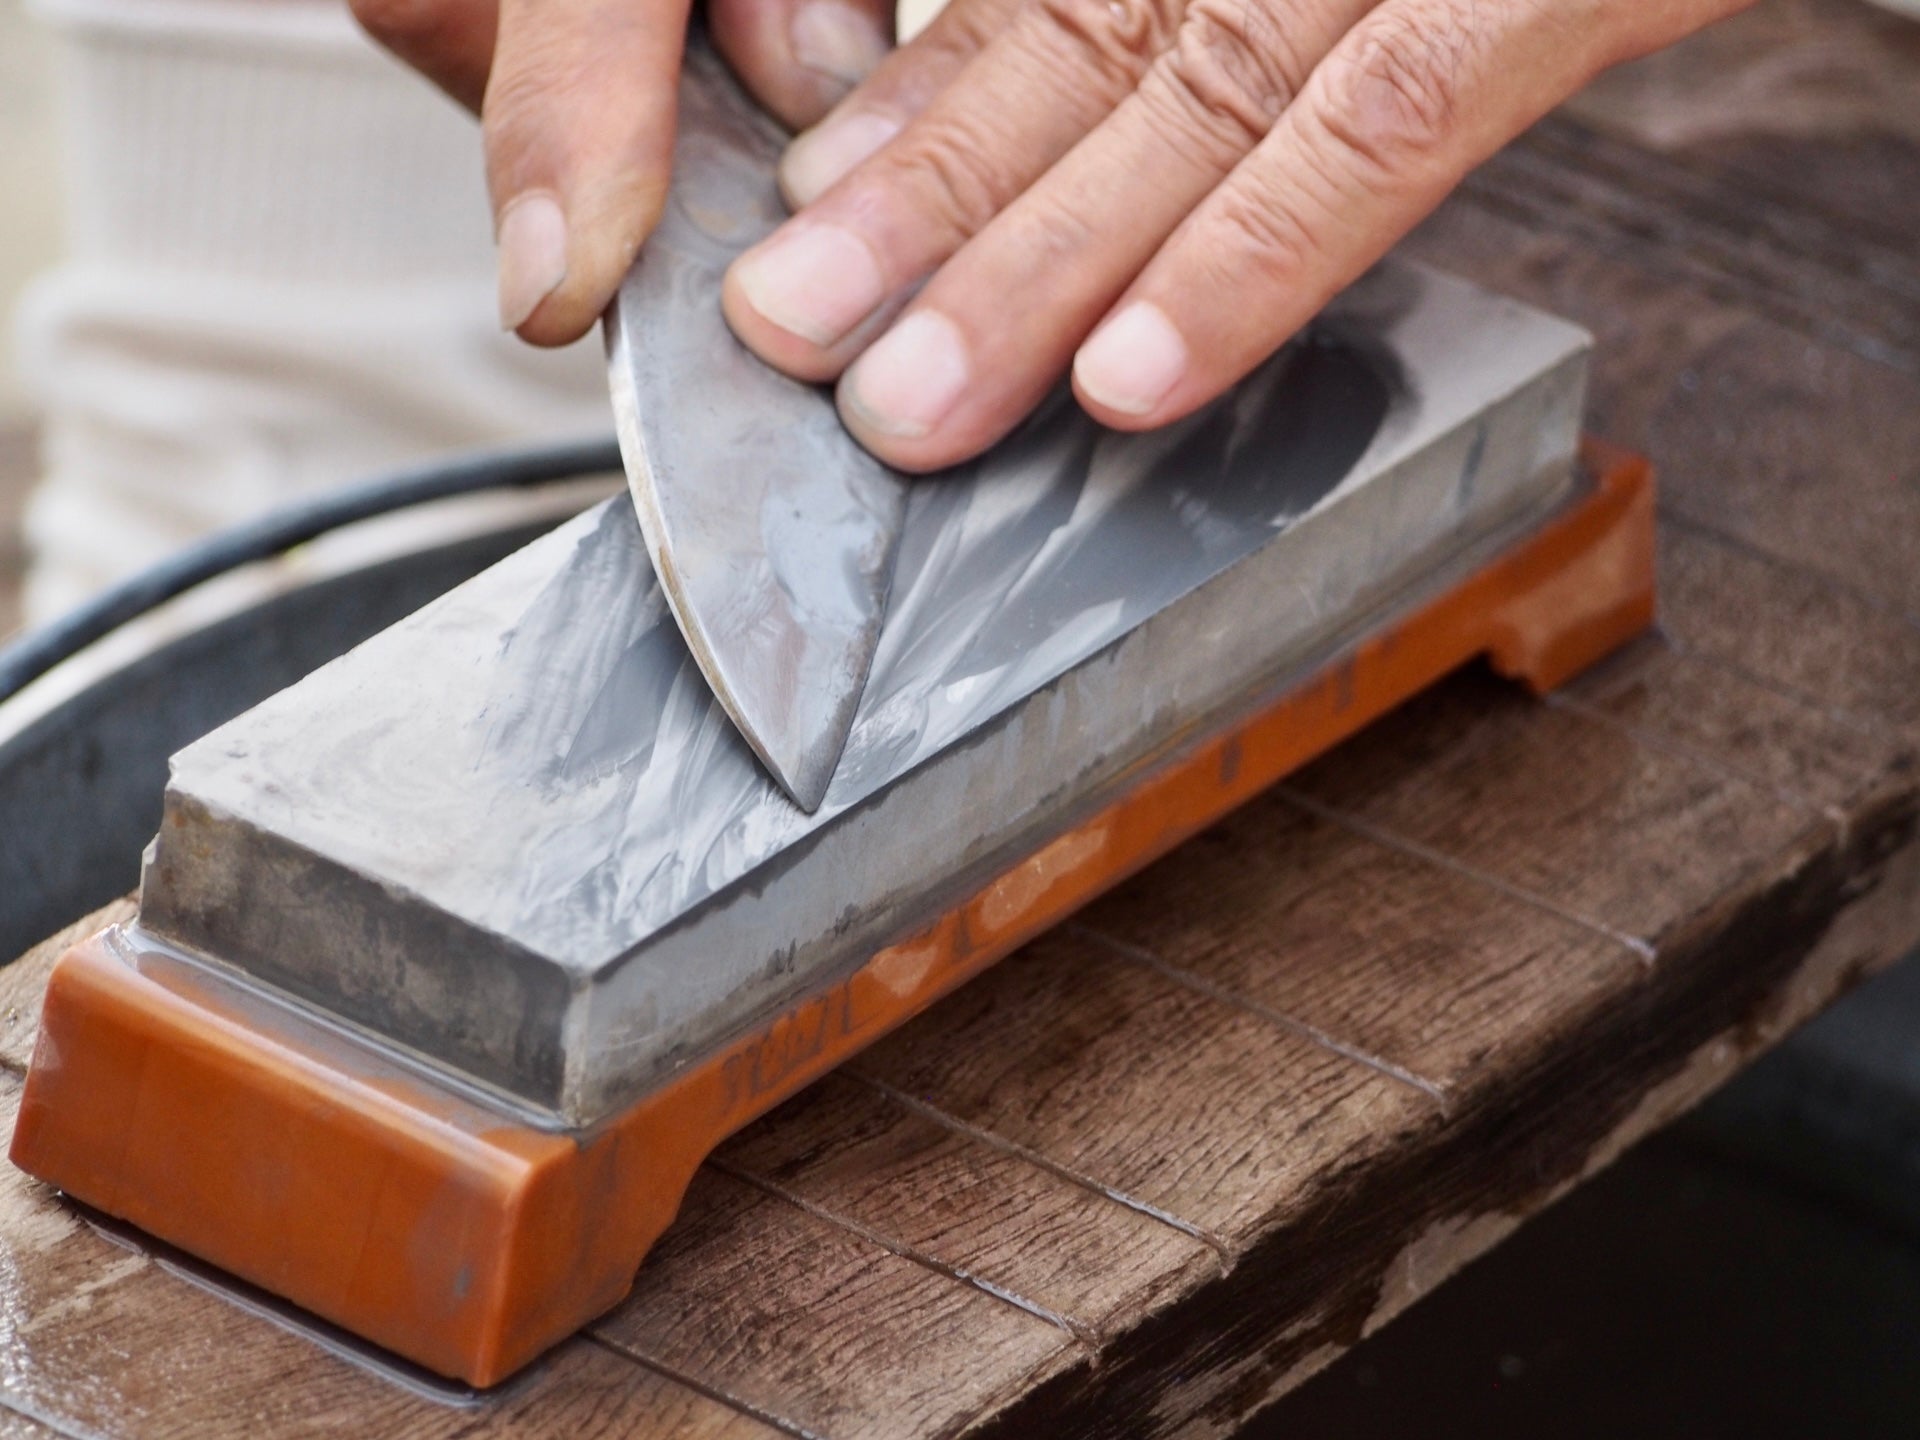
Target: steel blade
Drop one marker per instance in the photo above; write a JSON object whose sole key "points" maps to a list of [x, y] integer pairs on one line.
{"points": [[772, 532]]}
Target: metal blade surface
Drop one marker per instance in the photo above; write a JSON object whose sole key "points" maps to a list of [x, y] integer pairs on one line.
{"points": [[773, 534]]}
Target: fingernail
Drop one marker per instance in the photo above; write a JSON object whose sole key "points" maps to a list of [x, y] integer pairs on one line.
{"points": [[817, 158], [814, 281], [837, 41], [533, 255], [1133, 361], [911, 377]]}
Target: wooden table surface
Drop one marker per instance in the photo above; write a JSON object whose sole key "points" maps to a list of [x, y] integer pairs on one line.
{"points": [[1156, 1169]]}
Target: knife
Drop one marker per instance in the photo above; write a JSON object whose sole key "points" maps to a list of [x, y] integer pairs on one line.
{"points": [[772, 532]]}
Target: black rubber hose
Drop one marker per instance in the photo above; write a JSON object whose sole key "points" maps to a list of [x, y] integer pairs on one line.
{"points": [[37, 652]]}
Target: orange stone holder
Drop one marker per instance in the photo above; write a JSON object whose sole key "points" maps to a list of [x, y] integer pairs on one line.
{"points": [[442, 1227]]}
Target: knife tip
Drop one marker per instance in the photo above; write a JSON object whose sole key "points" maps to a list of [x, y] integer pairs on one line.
{"points": [[804, 777]]}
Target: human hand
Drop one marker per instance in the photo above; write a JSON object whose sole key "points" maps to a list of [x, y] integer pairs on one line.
{"points": [[577, 100], [1156, 194]]}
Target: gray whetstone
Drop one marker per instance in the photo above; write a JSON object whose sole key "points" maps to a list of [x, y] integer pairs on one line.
{"points": [[516, 833]]}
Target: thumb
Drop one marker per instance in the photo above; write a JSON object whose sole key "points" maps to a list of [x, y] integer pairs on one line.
{"points": [[578, 120]]}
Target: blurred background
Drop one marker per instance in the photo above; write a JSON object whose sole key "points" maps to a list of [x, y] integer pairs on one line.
{"points": [[244, 257], [29, 241]]}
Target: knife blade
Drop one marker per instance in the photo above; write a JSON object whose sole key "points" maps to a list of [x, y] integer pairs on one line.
{"points": [[772, 532]]}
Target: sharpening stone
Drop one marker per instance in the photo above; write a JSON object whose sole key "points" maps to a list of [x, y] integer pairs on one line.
{"points": [[516, 834]]}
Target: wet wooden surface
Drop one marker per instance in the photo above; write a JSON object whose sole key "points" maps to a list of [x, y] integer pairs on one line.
{"points": [[1154, 1170]]}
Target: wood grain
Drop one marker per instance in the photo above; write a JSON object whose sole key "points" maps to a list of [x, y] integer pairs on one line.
{"points": [[1806, 753], [1354, 940], [825, 1330], [1575, 814], [1824, 644], [1578, 1083], [1152, 1090], [878, 1162]]}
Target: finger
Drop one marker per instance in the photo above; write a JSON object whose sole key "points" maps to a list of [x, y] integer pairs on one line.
{"points": [[578, 121], [1412, 98], [448, 41], [1000, 321], [878, 109], [810, 296], [799, 57]]}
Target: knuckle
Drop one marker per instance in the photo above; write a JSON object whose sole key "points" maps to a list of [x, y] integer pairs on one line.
{"points": [[529, 84], [1260, 241], [1391, 101], [1053, 235], [1120, 37], [960, 31], [512, 114], [526, 141], [1233, 66], [950, 173]]}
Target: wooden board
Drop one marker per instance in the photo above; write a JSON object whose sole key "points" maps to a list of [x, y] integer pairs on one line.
{"points": [[1153, 1171]]}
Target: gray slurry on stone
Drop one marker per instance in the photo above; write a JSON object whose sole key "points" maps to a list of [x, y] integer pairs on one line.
{"points": [[517, 834]]}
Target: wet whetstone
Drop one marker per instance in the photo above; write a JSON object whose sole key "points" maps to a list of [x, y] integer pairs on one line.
{"points": [[516, 833]]}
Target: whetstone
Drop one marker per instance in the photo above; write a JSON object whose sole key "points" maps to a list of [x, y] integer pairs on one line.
{"points": [[516, 834]]}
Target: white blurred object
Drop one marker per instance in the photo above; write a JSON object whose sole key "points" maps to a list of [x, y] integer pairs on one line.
{"points": [[910, 17], [30, 220], [280, 279]]}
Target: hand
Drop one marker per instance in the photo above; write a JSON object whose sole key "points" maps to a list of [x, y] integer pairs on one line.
{"points": [[577, 98], [1155, 193]]}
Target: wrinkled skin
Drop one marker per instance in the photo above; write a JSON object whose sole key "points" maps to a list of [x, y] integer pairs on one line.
{"points": [[1151, 194]]}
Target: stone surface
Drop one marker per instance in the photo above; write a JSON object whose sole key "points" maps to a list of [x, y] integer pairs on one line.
{"points": [[515, 832]]}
